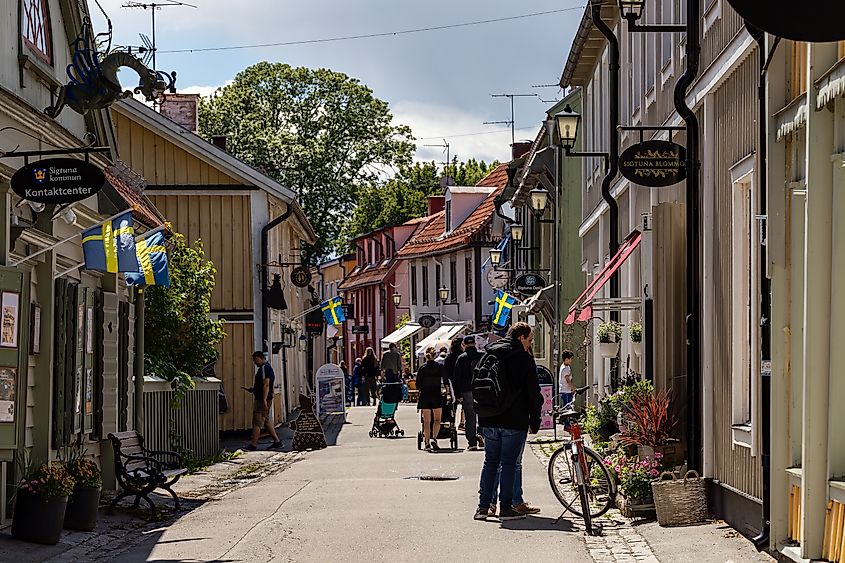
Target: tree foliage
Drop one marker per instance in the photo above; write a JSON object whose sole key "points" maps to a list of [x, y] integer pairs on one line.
{"points": [[403, 197], [180, 338], [319, 132]]}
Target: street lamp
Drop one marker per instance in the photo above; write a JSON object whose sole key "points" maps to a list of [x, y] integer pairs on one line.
{"points": [[567, 126], [495, 256], [443, 292], [397, 299], [517, 232], [539, 198], [631, 10]]}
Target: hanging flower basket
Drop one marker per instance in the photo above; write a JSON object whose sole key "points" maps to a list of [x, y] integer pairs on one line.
{"points": [[608, 349]]}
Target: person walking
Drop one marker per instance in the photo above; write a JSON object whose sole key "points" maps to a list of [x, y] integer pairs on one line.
{"points": [[349, 385], [565, 385], [262, 391], [507, 414], [358, 382], [391, 363], [462, 383], [430, 401], [370, 365]]}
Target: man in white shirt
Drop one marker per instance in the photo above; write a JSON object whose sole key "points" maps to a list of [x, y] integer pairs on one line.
{"points": [[565, 385]]}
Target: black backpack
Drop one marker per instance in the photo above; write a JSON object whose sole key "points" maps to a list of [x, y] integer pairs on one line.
{"points": [[491, 389]]}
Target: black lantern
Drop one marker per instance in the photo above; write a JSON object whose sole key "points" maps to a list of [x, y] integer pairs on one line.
{"points": [[495, 256], [397, 299], [631, 10], [517, 232], [444, 293], [539, 199], [567, 126]]}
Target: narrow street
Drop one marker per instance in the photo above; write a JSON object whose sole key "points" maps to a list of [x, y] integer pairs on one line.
{"points": [[317, 510]]}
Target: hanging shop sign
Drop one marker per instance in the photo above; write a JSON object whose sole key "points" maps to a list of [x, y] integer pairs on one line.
{"points": [[654, 164], [300, 276], [529, 284], [426, 321], [58, 180], [818, 21], [314, 322], [360, 329]]}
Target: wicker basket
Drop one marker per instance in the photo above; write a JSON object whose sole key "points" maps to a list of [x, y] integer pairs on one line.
{"points": [[680, 502]]}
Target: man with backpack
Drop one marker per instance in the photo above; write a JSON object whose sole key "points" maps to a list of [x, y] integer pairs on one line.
{"points": [[507, 398], [462, 381]]}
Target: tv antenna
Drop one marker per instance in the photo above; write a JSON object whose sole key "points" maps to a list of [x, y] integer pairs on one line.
{"points": [[446, 180], [511, 121], [149, 48], [445, 147]]}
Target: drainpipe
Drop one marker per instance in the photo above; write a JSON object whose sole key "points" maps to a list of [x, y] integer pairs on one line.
{"points": [[613, 168], [343, 332], [265, 328], [761, 541], [692, 251], [139, 359]]}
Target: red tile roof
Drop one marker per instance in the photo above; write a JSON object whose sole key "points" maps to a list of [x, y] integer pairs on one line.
{"points": [[430, 239], [142, 209]]}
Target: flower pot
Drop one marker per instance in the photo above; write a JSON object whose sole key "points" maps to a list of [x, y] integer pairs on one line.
{"points": [[82, 507], [671, 454], [638, 348], [635, 507], [608, 349], [38, 520]]}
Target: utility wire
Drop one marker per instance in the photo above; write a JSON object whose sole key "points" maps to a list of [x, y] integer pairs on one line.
{"points": [[372, 35], [476, 133]]}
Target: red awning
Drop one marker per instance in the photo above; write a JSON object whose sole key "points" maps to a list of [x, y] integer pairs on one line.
{"points": [[582, 309]]}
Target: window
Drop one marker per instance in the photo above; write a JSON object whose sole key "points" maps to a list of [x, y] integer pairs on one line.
{"points": [[468, 273], [437, 284], [425, 285], [665, 38], [35, 28], [539, 329], [637, 88], [649, 60], [413, 284], [453, 279], [448, 215], [798, 84]]}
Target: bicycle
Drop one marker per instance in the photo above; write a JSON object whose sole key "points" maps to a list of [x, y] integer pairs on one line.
{"points": [[577, 472]]}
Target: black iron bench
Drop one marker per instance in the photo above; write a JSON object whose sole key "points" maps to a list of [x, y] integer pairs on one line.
{"points": [[140, 471]]}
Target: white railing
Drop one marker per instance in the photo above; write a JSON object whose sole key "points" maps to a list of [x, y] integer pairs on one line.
{"points": [[193, 427]]}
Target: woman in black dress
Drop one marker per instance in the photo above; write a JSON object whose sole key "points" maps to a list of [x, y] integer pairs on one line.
{"points": [[430, 402]]}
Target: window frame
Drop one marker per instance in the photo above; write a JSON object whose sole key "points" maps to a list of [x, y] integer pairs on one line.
{"points": [[468, 272], [453, 279], [47, 30], [425, 284], [413, 276]]}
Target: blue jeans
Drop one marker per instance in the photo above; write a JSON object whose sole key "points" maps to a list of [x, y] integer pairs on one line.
{"points": [[517, 481], [502, 449], [565, 399]]}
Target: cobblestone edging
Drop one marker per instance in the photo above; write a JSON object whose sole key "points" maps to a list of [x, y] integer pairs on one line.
{"points": [[112, 540], [619, 541]]}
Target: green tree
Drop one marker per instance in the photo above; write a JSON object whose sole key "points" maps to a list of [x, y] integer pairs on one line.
{"points": [[179, 336], [321, 133]]}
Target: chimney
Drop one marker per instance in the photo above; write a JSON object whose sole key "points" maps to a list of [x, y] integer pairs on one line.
{"points": [[182, 110], [436, 203], [219, 141], [520, 149]]}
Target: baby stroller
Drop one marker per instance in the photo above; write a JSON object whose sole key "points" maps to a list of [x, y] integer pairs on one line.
{"points": [[448, 426], [384, 423]]}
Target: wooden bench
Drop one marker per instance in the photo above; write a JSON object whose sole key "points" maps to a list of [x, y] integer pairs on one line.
{"points": [[140, 471]]}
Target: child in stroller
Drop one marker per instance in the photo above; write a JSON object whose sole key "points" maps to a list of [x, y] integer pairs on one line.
{"points": [[384, 422]]}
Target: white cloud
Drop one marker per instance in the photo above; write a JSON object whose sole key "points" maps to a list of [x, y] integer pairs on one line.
{"points": [[203, 91], [465, 132]]}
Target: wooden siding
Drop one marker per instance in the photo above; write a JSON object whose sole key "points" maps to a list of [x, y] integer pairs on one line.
{"points": [[736, 112], [161, 162], [719, 34], [222, 223], [234, 369]]}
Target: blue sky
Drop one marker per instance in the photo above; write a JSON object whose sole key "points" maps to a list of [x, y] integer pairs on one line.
{"points": [[438, 82]]}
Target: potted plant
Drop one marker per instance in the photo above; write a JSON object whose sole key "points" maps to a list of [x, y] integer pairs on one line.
{"points": [[635, 330], [40, 502], [84, 501], [609, 334], [634, 477], [650, 426]]}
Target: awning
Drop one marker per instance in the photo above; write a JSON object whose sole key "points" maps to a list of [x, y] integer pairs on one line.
{"points": [[400, 334], [444, 333], [539, 303], [582, 309]]}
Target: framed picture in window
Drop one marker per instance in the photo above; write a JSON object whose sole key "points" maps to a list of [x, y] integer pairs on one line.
{"points": [[8, 390], [35, 329], [10, 304]]}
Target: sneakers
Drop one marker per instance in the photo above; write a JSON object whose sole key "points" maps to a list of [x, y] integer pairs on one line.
{"points": [[526, 509], [510, 514], [474, 449], [434, 445], [275, 445], [492, 511], [251, 448], [480, 514]]}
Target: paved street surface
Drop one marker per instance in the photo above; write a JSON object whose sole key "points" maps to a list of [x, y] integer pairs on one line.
{"points": [[355, 501]]}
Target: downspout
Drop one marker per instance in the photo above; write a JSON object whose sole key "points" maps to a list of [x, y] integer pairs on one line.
{"points": [[389, 307], [265, 328], [761, 541], [139, 359], [692, 251], [613, 150], [343, 333]]}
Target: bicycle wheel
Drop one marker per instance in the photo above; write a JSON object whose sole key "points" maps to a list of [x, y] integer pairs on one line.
{"points": [[600, 488]]}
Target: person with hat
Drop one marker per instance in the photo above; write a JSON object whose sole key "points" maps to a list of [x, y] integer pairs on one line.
{"points": [[462, 382], [262, 392]]}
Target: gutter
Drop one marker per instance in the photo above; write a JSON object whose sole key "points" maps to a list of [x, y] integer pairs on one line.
{"points": [[265, 329]]}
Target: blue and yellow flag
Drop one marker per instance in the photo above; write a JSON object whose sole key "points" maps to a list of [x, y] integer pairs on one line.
{"points": [[332, 311], [502, 307], [152, 261], [110, 246]]}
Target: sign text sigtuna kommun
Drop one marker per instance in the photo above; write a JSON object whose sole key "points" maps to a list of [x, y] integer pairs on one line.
{"points": [[58, 180]]}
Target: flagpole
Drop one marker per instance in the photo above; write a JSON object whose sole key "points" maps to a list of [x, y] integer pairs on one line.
{"points": [[140, 237], [70, 238]]}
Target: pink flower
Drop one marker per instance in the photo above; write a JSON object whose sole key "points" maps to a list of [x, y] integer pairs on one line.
{"points": [[658, 455], [654, 472]]}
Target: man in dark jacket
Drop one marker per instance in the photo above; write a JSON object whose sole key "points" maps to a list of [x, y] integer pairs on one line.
{"points": [[505, 433], [462, 382]]}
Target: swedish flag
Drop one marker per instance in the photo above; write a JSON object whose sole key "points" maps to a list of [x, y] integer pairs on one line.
{"points": [[332, 311], [502, 307], [152, 261], [110, 246]]}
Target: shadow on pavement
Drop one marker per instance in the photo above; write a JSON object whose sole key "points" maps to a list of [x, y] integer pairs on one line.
{"points": [[540, 523]]}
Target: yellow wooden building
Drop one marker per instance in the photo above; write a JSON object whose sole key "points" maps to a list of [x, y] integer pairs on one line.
{"points": [[211, 196]]}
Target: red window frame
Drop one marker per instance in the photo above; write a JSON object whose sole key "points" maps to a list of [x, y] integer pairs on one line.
{"points": [[35, 16]]}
